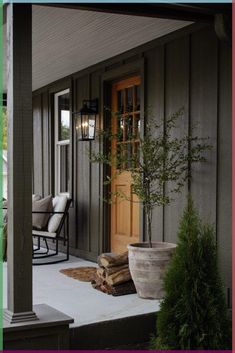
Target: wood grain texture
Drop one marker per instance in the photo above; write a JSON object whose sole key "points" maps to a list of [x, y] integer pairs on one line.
{"points": [[124, 214]]}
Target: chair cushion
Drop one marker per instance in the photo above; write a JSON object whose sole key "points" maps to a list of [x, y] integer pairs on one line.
{"points": [[35, 197], [40, 220], [59, 205]]}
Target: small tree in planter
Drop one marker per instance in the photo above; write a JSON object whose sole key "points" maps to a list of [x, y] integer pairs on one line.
{"points": [[193, 312], [161, 158]]}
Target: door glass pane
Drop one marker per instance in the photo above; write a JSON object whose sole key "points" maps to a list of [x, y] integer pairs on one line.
{"points": [[129, 128], [121, 101], [136, 126], [129, 155], [64, 168], [129, 99], [120, 128], [137, 97], [63, 117]]}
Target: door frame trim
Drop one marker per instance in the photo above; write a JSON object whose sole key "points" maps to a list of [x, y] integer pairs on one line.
{"points": [[107, 79]]}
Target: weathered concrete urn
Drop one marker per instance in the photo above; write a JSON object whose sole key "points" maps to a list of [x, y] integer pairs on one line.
{"points": [[147, 267]]}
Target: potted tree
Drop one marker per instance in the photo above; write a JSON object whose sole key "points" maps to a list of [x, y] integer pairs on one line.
{"points": [[162, 159]]}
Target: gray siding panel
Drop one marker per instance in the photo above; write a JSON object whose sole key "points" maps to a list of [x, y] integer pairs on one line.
{"points": [[155, 110], [37, 150], [203, 97], [46, 145], [82, 174], [95, 201], [224, 200], [176, 97]]}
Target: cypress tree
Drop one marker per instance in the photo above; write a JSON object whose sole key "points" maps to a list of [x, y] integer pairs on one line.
{"points": [[193, 312]]}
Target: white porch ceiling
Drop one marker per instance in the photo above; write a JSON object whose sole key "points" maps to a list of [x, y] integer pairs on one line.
{"points": [[66, 41]]}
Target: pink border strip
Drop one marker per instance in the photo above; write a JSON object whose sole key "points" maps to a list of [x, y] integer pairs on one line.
{"points": [[233, 175], [116, 351]]}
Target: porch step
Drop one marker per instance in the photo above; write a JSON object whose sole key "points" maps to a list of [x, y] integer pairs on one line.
{"points": [[129, 332]]}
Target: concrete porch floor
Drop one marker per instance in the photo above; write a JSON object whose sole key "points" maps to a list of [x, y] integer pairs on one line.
{"points": [[78, 299]]}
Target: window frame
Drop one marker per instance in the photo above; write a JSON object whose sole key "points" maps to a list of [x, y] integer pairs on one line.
{"points": [[58, 143]]}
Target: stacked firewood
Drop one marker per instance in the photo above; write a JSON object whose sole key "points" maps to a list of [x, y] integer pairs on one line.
{"points": [[113, 275]]}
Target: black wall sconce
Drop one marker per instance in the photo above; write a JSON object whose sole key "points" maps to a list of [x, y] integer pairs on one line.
{"points": [[85, 120]]}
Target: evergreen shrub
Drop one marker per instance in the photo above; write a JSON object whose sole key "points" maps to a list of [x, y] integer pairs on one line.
{"points": [[193, 311]]}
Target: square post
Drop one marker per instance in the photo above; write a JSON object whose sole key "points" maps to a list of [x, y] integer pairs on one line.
{"points": [[20, 147]]}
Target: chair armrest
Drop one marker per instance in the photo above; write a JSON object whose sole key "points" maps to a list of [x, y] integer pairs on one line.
{"points": [[49, 212], [5, 208], [44, 212]]}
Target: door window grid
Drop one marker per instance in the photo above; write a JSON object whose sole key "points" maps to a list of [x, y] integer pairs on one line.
{"points": [[128, 125]]}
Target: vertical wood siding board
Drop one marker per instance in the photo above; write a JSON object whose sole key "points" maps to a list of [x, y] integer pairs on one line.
{"points": [[72, 211], [89, 176], [164, 117], [52, 148], [40, 131], [49, 143], [154, 108], [143, 88], [99, 167], [100, 125], [72, 214], [35, 108], [75, 157], [33, 172], [189, 103], [45, 144], [82, 173], [42, 138], [217, 138], [177, 62], [100, 148], [78, 201], [104, 244], [38, 145], [95, 175], [104, 210], [224, 219], [204, 111]]}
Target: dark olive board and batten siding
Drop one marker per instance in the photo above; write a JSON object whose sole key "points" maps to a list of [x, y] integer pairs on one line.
{"points": [[190, 68]]}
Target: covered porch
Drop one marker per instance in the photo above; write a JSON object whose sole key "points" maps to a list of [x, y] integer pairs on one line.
{"points": [[182, 55]]}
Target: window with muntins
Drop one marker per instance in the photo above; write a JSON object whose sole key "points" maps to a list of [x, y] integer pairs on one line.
{"points": [[62, 142]]}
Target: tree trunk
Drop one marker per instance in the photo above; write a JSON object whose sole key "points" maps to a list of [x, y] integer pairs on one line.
{"points": [[149, 224]]}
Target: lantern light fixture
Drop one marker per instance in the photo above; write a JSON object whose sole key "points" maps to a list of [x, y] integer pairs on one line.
{"points": [[85, 120]]}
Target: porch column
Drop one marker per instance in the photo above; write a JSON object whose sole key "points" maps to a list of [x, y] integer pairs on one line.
{"points": [[20, 145]]}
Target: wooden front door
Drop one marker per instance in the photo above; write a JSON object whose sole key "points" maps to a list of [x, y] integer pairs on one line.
{"points": [[124, 213]]}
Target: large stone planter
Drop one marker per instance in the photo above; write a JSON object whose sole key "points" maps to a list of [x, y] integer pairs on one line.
{"points": [[147, 267]]}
